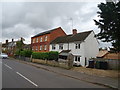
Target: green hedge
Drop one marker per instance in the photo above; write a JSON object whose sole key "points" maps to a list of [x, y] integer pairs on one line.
{"points": [[45, 55], [25, 53]]}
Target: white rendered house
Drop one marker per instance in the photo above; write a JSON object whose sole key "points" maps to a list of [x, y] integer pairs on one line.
{"points": [[82, 45]]}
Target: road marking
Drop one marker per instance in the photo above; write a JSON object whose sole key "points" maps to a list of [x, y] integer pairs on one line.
{"points": [[27, 79], [0, 62], [8, 66]]}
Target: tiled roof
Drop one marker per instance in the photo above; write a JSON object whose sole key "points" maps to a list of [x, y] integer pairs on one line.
{"points": [[71, 38], [102, 53], [46, 32]]}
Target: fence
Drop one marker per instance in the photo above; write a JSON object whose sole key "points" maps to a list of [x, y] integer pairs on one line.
{"points": [[112, 63]]}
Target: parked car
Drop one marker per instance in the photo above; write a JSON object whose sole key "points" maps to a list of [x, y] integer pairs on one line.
{"points": [[3, 56]]}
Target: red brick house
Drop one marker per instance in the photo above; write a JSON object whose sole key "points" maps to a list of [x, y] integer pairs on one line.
{"points": [[41, 41]]}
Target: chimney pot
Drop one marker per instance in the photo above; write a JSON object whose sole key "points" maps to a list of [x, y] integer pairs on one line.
{"points": [[12, 40], [74, 31], [6, 41]]}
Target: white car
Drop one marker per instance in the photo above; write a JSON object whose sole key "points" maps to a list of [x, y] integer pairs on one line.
{"points": [[3, 56]]}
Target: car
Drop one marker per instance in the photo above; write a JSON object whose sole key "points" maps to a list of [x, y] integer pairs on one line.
{"points": [[3, 56]]}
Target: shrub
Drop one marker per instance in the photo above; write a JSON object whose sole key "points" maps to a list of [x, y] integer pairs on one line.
{"points": [[17, 52], [22, 53], [27, 53], [45, 55], [53, 55]]}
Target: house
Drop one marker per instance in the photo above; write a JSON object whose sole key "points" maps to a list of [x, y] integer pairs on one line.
{"points": [[9, 47], [41, 41], [82, 46]]}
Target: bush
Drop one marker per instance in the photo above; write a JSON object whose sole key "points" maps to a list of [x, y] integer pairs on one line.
{"points": [[45, 55], [25, 53], [22, 53], [53, 55]]}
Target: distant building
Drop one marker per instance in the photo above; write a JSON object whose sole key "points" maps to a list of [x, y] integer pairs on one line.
{"points": [[82, 46], [9, 47], [108, 55], [41, 41]]}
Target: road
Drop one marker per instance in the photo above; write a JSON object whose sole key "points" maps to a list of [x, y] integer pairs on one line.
{"points": [[19, 75]]}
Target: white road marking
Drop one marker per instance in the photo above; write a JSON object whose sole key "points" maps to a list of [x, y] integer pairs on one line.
{"points": [[27, 79], [0, 62], [8, 66]]}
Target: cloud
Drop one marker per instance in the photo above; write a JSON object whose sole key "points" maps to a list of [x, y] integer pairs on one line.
{"points": [[25, 19]]}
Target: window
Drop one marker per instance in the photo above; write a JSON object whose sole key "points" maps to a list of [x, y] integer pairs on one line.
{"points": [[36, 39], [77, 46], [45, 47], [53, 46], [33, 48], [40, 47], [36, 48], [46, 38], [41, 39], [33, 40], [77, 58], [60, 46]]}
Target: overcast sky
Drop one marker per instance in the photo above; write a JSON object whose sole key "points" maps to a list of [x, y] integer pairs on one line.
{"points": [[26, 19]]}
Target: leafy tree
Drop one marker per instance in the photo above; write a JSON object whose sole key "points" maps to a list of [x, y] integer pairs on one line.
{"points": [[19, 45], [109, 23]]}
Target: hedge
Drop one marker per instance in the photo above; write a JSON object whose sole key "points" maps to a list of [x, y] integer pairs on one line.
{"points": [[25, 53], [52, 55]]}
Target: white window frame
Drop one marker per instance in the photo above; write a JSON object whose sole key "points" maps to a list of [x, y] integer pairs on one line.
{"points": [[53, 46], [33, 48], [61, 46], [36, 39], [45, 47], [77, 57], [77, 45], [41, 39], [40, 47], [46, 37], [36, 48]]}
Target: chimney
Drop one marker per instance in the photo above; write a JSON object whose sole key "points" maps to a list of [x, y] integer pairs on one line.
{"points": [[12, 40], [74, 31], [6, 41]]}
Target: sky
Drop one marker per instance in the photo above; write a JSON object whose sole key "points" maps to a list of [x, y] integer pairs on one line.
{"points": [[26, 19]]}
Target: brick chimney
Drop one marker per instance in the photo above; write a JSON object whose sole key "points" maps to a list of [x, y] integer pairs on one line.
{"points": [[12, 39], [74, 31], [6, 41]]}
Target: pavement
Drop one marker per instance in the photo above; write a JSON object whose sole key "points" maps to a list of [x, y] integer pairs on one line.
{"points": [[103, 81]]}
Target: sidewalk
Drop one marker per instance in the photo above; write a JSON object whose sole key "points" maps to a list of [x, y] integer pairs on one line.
{"points": [[105, 81]]}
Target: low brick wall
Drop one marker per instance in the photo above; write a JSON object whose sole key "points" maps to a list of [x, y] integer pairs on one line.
{"points": [[52, 63]]}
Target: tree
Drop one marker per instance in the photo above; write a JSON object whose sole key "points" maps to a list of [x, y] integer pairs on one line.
{"points": [[109, 23], [19, 45]]}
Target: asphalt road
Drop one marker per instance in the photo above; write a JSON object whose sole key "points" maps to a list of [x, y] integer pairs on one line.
{"points": [[19, 75]]}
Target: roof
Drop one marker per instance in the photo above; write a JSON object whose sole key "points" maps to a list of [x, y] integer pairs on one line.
{"points": [[102, 53], [65, 52], [71, 38], [46, 32]]}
